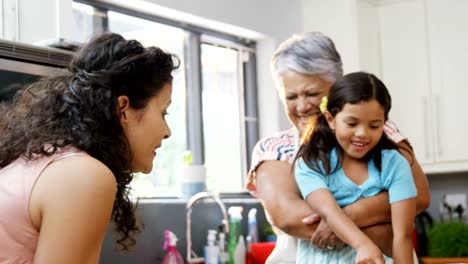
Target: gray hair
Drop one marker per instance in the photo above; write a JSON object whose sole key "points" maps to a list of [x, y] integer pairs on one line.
{"points": [[310, 53]]}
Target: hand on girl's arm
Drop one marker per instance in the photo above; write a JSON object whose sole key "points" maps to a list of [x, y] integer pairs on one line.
{"points": [[322, 202], [380, 234], [371, 214]]}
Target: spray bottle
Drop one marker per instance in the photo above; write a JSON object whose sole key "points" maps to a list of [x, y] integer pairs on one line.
{"points": [[172, 256]]}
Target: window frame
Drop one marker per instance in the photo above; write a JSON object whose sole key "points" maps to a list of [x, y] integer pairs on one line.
{"points": [[195, 37]]}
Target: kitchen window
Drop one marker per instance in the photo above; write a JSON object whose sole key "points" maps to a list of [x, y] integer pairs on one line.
{"points": [[213, 112]]}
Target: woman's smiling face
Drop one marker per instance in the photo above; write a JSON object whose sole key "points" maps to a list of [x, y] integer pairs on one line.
{"points": [[146, 128], [301, 95]]}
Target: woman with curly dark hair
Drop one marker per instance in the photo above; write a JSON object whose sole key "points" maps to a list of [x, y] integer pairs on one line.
{"points": [[69, 146]]}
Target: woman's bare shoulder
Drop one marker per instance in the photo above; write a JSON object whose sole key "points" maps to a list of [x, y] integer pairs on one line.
{"points": [[74, 180], [72, 201]]}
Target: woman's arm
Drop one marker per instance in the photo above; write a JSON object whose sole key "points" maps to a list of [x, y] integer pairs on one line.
{"points": [[279, 194], [420, 180], [75, 197], [278, 191], [381, 235], [403, 213], [323, 202], [370, 211]]}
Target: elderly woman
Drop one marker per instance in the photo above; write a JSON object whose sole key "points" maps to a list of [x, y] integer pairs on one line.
{"points": [[305, 67]]}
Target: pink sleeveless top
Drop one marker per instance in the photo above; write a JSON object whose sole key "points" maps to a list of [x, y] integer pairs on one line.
{"points": [[18, 237]]}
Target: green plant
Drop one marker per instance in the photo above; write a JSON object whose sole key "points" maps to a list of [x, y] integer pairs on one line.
{"points": [[448, 240], [268, 230]]}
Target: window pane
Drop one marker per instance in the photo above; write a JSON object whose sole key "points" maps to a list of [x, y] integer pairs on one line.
{"points": [[163, 180], [221, 118], [83, 26]]}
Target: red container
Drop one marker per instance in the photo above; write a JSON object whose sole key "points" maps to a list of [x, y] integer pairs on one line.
{"points": [[259, 252]]}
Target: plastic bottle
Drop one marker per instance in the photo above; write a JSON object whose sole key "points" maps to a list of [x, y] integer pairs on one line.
{"points": [[253, 229], [223, 254], [173, 255], [211, 251], [239, 253], [252, 236], [235, 230]]}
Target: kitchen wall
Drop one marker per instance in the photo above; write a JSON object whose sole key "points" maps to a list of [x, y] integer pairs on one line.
{"points": [[446, 183]]}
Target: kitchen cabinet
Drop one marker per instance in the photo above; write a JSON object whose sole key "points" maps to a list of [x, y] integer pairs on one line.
{"points": [[19, 20], [423, 63]]}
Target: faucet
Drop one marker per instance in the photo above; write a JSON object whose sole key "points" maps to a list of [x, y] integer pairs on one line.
{"points": [[188, 212]]}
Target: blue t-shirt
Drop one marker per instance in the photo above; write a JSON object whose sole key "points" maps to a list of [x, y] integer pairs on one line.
{"points": [[395, 177]]}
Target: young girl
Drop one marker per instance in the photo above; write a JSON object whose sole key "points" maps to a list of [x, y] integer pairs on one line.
{"points": [[69, 145], [346, 157]]}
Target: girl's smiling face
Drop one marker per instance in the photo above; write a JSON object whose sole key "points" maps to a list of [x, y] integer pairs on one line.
{"points": [[358, 127]]}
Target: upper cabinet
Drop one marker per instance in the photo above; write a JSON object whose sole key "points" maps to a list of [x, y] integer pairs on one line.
{"points": [[424, 50], [36, 22]]}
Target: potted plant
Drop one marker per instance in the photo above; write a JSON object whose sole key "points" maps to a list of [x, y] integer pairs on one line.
{"points": [[447, 243], [270, 235]]}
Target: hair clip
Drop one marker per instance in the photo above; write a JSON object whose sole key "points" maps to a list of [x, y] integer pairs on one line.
{"points": [[323, 104]]}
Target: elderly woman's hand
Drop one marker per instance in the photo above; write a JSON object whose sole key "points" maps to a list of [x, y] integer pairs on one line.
{"points": [[324, 237]]}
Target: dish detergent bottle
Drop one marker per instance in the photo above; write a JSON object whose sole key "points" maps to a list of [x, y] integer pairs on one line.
{"points": [[172, 254], [235, 230]]}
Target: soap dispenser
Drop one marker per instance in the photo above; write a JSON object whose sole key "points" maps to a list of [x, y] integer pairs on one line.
{"points": [[223, 254], [211, 250]]}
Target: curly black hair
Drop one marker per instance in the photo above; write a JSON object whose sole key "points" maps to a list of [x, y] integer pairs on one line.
{"points": [[78, 108]]}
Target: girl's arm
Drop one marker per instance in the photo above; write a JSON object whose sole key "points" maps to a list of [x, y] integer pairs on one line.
{"points": [[322, 202], [74, 197], [403, 213]]}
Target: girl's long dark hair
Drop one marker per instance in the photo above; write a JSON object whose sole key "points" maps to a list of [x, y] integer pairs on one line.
{"points": [[79, 109], [319, 140]]}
